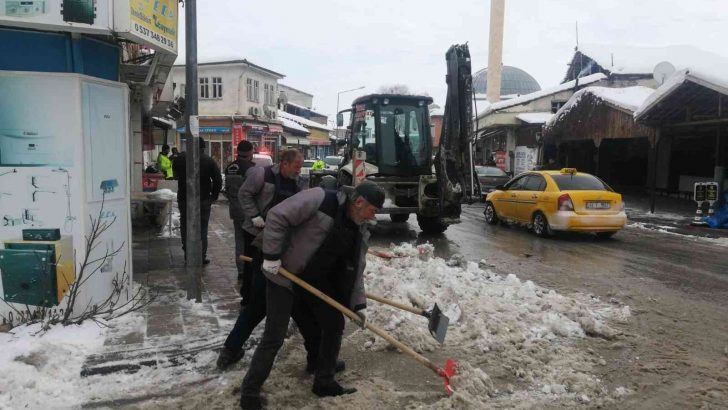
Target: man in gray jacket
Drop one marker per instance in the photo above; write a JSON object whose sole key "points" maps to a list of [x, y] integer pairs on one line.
{"points": [[320, 236]]}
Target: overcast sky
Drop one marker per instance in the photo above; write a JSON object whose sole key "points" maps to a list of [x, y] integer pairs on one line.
{"points": [[325, 46]]}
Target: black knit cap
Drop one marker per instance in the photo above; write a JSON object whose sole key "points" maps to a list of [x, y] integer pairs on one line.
{"points": [[373, 193]]}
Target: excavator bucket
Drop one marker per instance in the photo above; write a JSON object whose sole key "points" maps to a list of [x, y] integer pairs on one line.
{"points": [[454, 164]]}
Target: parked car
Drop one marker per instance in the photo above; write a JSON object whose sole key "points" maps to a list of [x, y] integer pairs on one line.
{"points": [[333, 162], [564, 200], [262, 160], [490, 177], [307, 164]]}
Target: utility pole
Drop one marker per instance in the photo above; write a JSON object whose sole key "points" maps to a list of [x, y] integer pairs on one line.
{"points": [[193, 245]]}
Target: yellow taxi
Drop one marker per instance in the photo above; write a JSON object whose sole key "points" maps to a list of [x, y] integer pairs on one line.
{"points": [[564, 200]]}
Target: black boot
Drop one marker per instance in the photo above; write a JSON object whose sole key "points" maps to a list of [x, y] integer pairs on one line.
{"points": [[229, 357], [250, 403], [331, 389], [340, 367]]}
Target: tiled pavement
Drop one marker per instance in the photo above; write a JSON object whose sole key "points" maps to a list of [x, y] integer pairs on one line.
{"points": [[175, 328]]}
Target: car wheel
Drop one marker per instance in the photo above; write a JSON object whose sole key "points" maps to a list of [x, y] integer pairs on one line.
{"points": [[541, 225], [605, 235], [490, 216], [399, 218]]}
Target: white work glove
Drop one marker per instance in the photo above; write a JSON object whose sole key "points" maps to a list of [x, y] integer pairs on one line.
{"points": [[258, 222], [271, 267], [363, 318]]}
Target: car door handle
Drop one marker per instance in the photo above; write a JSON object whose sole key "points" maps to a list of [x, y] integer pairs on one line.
{"points": [[534, 197], [513, 195]]}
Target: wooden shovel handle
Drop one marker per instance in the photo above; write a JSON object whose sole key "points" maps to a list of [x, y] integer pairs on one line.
{"points": [[398, 305], [355, 318]]}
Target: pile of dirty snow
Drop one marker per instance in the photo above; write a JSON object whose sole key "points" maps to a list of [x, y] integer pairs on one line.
{"points": [[496, 321]]}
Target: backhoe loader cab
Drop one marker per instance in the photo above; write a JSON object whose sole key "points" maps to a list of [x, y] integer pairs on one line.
{"points": [[393, 132]]}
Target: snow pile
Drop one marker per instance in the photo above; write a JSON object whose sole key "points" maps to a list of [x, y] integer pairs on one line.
{"points": [[496, 321], [41, 369], [164, 194], [175, 228]]}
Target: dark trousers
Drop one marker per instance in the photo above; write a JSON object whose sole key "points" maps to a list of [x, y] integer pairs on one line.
{"points": [[254, 310], [321, 326], [280, 305], [205, 208], [248, 271], [331, 323]]}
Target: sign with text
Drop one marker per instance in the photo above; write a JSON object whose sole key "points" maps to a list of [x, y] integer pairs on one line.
{"points": [[150, 22], [500, 160], [525, 159], [82, 16], [711, 191], [699, 194], [238, 135]]}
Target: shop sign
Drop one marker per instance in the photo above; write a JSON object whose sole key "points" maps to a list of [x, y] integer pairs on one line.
{"points": [[150, 22], [208, 130], [500, 160], [238, 134], [82, 16]]}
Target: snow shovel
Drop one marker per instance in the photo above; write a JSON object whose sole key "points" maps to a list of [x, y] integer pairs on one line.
{"points": [[438, 322], [445, 373]]}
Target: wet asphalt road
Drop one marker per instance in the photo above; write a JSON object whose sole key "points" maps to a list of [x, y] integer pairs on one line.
{"points": [[682, 262]]}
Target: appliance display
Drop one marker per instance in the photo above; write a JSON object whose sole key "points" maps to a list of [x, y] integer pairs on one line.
{"points": [[24, 8]]}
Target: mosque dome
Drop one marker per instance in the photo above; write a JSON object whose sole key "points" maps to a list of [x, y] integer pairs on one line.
{"points": [[514, 81]]}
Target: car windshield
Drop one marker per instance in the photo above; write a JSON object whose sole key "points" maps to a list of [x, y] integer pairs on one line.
{"points": [[308, 163], [403, 135], [490, 172], [332, 160], [580, 182]]}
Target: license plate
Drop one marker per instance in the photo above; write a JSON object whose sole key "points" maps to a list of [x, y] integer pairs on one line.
{"points": [[597, 205]]}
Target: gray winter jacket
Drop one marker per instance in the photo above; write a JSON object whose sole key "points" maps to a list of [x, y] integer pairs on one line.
{"points": [[255, 195], [294, 231]]}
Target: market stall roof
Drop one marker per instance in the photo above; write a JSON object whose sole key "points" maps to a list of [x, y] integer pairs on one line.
{"points": [[626, 99], [302, 121], [685, 90], [535, 117], [525, 99]]}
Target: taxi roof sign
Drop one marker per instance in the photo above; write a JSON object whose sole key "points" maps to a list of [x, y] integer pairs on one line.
{"points": [[571, 171]]}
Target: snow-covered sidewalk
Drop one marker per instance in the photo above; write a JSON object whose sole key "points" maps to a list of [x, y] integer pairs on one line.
{"points": [[517, 345]]}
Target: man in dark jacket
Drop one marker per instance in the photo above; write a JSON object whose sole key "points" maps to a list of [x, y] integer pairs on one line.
{"points": [[320, 236], [234, 178], [210, 185], [265, 187]]}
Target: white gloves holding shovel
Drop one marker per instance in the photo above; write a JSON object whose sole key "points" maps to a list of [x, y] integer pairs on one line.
{"points": [[271, 267]]}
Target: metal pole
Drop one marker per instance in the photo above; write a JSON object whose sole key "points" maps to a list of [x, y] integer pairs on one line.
{"points": [[653, 175], [193, 244]]}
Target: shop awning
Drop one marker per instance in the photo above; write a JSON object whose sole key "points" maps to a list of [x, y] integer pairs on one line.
{"points": [[297, 141]]}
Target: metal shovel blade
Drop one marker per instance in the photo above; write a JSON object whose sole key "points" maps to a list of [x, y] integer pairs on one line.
{"points": [[438, 324]]}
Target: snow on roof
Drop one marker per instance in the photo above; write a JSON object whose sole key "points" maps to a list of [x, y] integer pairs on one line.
{"points": [[303, 121], [292, 125], [643, 59], [535, 117], [543, 93], [675, 81], [628, 98]]}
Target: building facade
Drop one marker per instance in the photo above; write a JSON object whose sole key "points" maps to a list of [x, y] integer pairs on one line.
{"points": [[237, 101]]}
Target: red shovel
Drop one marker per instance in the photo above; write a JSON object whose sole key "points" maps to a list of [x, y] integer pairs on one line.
{"points": [[445, 373]]}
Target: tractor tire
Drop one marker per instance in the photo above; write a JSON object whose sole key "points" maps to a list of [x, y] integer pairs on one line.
{"points": [[541, 225], [490, 216], [399, 218], [431, 224]]}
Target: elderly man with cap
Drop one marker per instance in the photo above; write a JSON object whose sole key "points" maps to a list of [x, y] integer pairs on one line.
{"points": [[320, 236]]}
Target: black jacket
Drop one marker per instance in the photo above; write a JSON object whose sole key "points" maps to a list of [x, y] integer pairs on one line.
{"points": [[234, 178], [210, 177]]}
